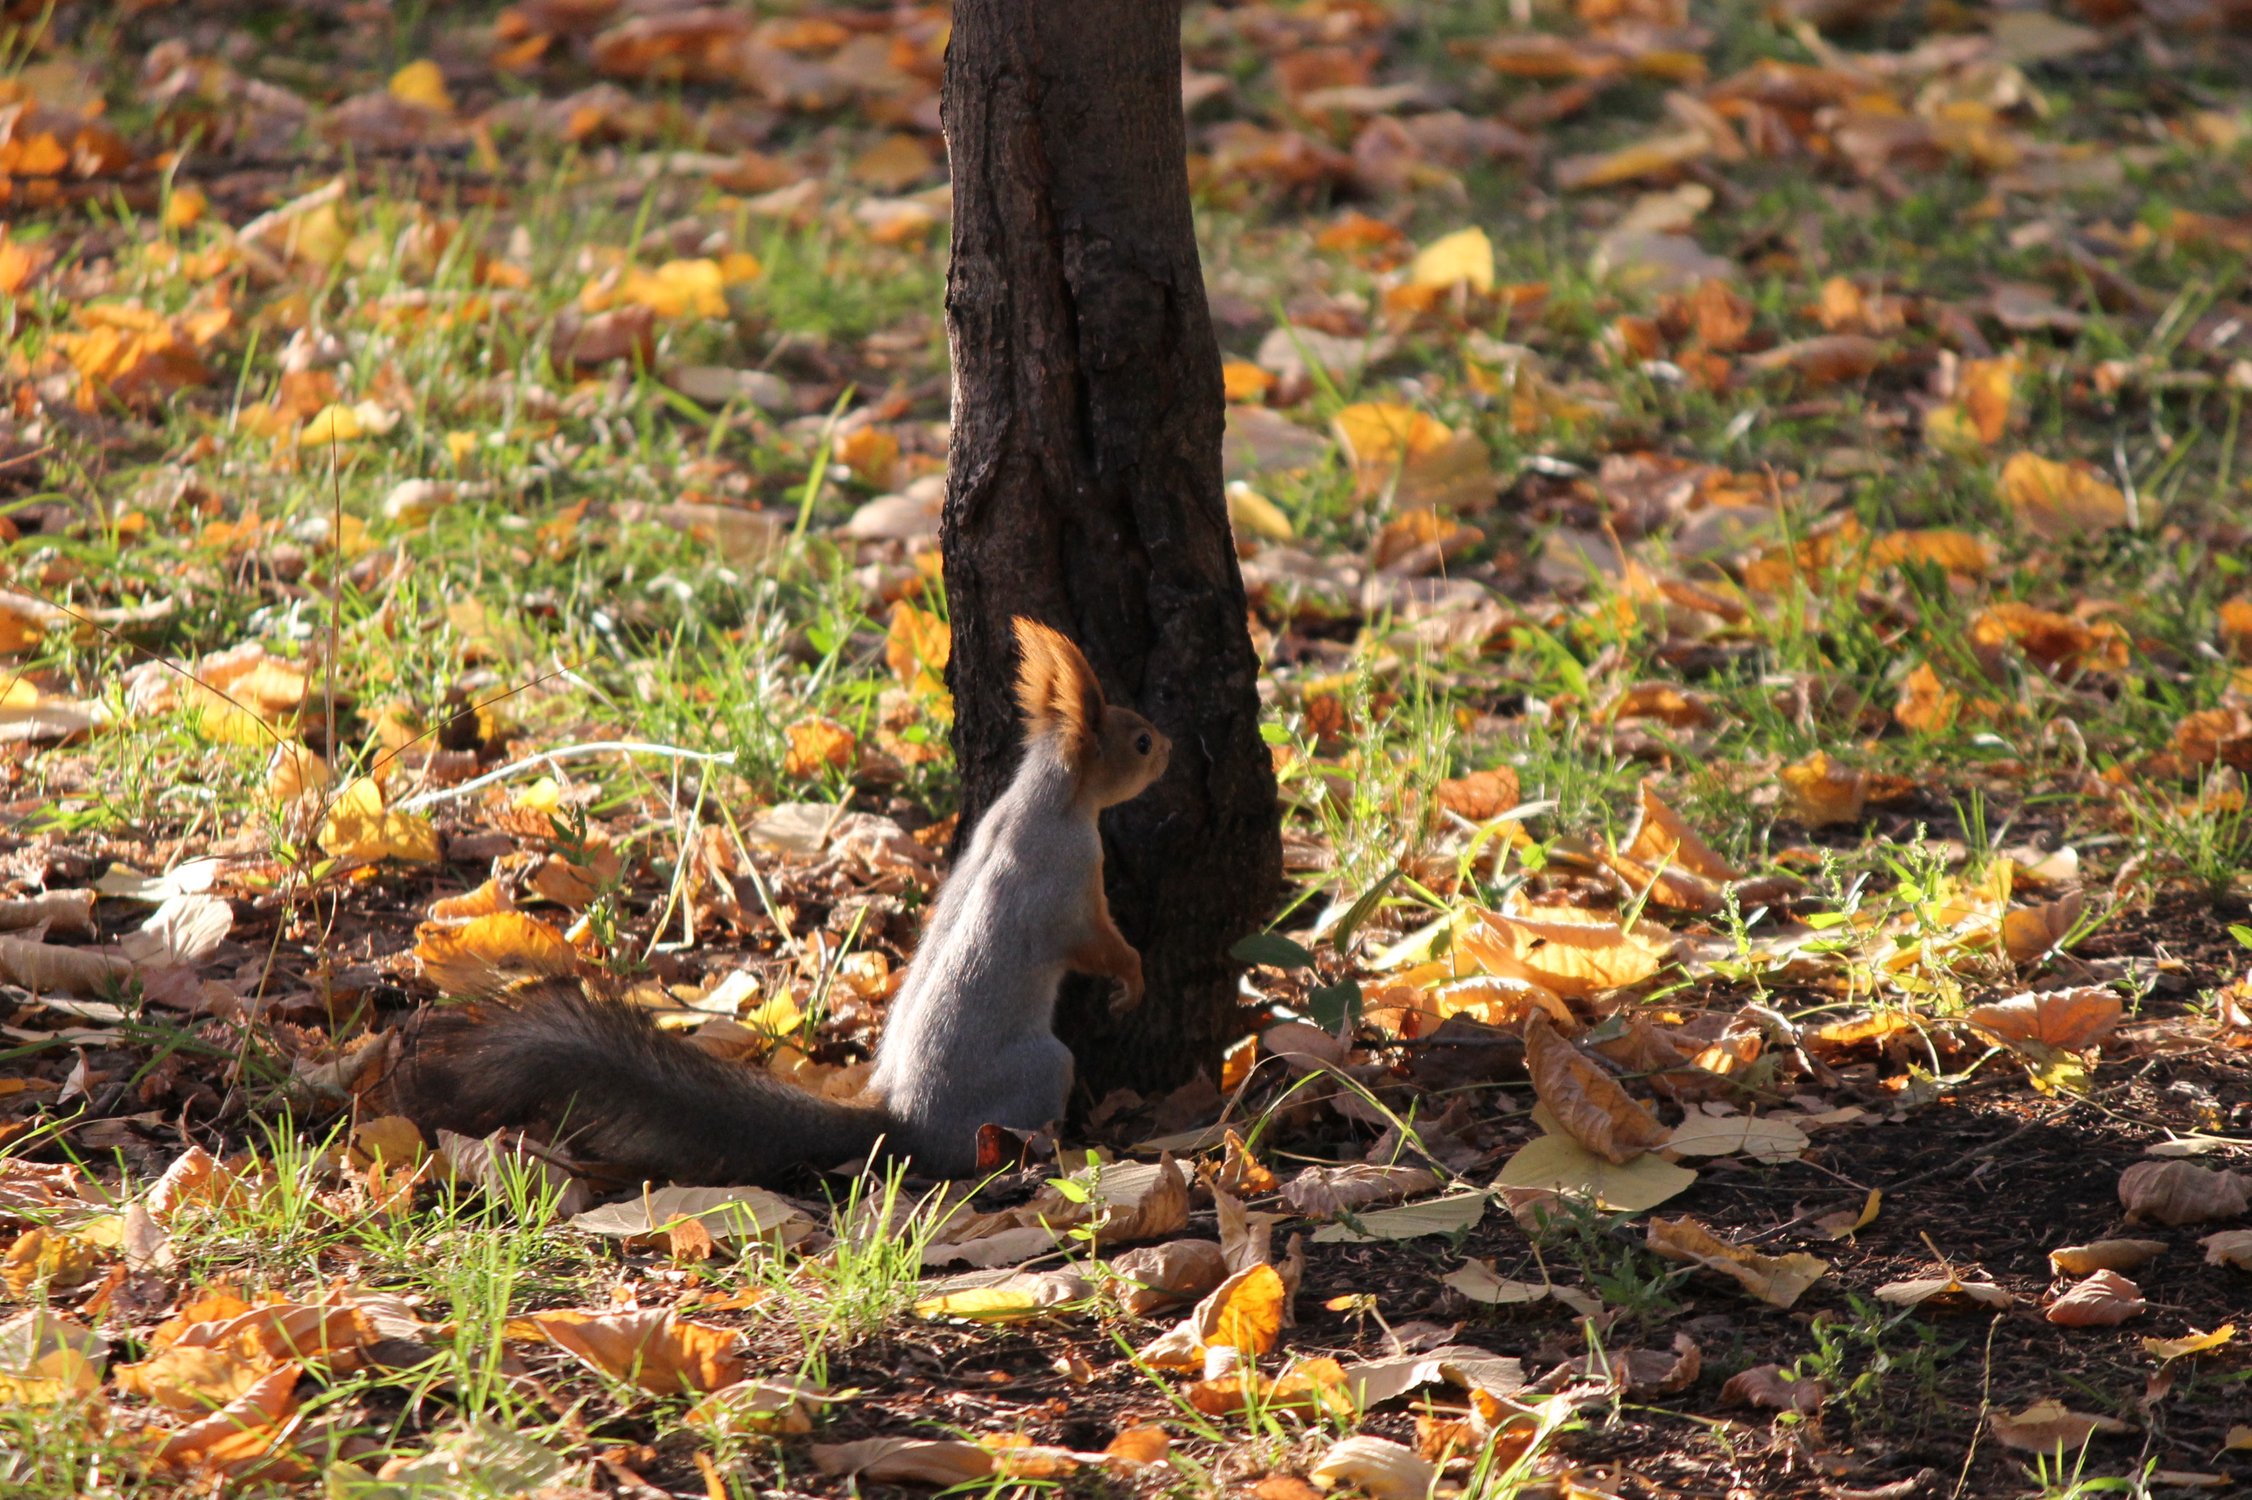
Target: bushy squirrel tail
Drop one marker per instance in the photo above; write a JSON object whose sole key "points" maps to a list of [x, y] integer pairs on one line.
{"points": [[617, 1090]]}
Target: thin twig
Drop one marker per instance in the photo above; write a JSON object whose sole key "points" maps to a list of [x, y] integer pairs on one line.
{"points": [[547, 758]]}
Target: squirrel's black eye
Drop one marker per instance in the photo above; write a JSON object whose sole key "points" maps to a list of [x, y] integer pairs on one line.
{"points": [[1141, 744]]}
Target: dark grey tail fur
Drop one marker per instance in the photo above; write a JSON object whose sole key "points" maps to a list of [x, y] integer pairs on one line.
{"points": [[618, 1090]]}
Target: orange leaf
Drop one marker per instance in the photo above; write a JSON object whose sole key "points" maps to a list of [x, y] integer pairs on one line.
{"points": [[484, 950], [661, 1353], [2060, 501]]}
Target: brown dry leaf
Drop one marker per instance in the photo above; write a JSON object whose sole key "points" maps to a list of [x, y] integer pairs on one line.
{"points": [[1643, 1373], [1576, 954], [1660, 156], [944, 1462], [44, 968], [1326, 1192], [484, 952], [1586, 1100], [2104, 1255], [1850, 1221], [1829, 360], [2231, 1247], [193, 1177], [2058, 643], [2105, 1300], [1764, 1386], [2070, 1020], [1481, 796], [1157, 1276], [2182, 1192], [1377, 1467], [1768, 1138], [1822, 793], [757, 1406], [1777, 1280], [658, 1351], [2059, 501], [2193, 1343], [2047, 1427], [1665, 857]]}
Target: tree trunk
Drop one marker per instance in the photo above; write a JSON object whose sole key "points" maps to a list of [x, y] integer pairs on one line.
{"points": [[1085, 490]]}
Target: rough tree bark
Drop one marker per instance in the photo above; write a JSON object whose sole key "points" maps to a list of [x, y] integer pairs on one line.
{"points": [[1085, 488]]}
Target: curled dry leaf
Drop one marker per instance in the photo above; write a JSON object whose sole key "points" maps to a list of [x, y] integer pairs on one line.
{"points": [[2194, 1343], [1156, 1276], [1451, 1214], [2105, 1300], [944, 1462], [44, 969], [2047, 1427], [46, 1359], [1325, 1192], [766, 1406], [1375, 1466], [743, 1213], [1821, 793], [2104, 1255], [2072, 1020], [1643, 1373], [1586, 1100], [1764, 1386], [2058, 501], [1026, 1294], [1778, 1280], [1577, 954], [1243, 1313], [2231, 1247], [2181, 1192], [244, 1438], [662, 1353], [489, 950]]}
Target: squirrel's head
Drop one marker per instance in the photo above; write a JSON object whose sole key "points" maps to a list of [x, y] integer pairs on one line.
{"points": [[1115, 752]]}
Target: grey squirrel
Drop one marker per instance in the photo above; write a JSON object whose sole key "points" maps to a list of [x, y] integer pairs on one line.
{"points": [[970, 1040]]}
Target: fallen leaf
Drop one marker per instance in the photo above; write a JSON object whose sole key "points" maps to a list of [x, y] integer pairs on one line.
{"points": [[1764, 1386], [2047, 1427], [1451, 1214], [46, 1359], [1777, 1280], [2231, 1247], [1558, 1164], [2181, 1192], [1375, 1466], [2071, 1020], [1576, 954], [485, 952], [2104, 1300], [360, 828], [2058, 501], [1465, 257], [662, 1353], [1156, 1276], [1326, 1192], [2104, 1255], [943, 1462], [1917, 1291], [1767, 1138], [2194, 1343], [1587, 1102]]}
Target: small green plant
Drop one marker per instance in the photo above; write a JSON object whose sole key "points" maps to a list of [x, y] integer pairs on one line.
{"points": [[1879, 1365]]}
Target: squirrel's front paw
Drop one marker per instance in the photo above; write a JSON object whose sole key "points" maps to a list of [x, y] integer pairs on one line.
{"points": [[1126, 991]]}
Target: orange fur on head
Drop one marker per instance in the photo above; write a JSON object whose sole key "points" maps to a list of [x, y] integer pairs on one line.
{"points": [[1057, 691]]}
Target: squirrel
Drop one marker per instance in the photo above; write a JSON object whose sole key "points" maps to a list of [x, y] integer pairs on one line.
{"points": [[970, 1040]]}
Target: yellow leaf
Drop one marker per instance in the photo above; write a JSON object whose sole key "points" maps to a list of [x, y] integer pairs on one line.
{"points": [[1777, 1280], [2060, 501], [1558, 1164], [1242, 380], [1571, 952], [421, 82], [1659, 156], [916, 648], [197, 1378], [505, 944], [2195, 1343], [1466, 256], [1820, 792], [1245, 1311], [818, 745], [360, 827], [46, 1359]]}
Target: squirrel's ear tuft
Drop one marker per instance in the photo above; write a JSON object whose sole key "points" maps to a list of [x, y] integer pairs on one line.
{"points": [[1057, 691]]}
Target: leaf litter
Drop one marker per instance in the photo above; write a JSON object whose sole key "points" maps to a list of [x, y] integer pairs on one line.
{"points": [[1790, 708]]}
